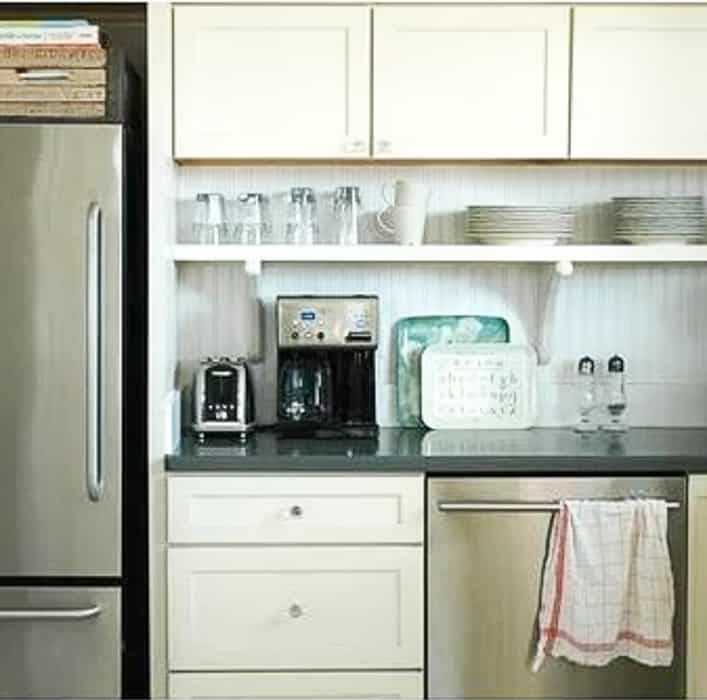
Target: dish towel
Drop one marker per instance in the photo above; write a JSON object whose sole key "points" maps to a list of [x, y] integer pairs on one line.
{"points": [[608, 585]]}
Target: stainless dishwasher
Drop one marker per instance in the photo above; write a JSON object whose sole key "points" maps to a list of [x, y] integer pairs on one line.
{"points": [[487, 541]]}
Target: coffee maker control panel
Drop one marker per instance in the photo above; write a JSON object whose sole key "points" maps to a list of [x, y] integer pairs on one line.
{"points": [[308, 322]]}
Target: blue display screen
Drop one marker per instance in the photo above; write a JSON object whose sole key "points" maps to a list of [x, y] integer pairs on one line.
{"points": [[307, 315]]}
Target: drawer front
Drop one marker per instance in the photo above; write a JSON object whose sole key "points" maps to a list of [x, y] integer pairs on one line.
{"points": [[276, 686], [287, 608], [60, 642], [296, 509]]}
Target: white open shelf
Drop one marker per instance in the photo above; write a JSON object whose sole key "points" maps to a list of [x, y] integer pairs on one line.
{"points": [[263, 254]]}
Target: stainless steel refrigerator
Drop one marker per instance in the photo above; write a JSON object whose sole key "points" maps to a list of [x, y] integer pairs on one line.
{"points": [[61, 409]]}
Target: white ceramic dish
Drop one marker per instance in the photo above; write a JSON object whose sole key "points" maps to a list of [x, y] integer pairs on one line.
{"points": [[536, 239], [655, 239]]}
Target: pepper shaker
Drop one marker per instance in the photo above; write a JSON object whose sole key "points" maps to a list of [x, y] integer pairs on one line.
{"points": [[616, 400]]}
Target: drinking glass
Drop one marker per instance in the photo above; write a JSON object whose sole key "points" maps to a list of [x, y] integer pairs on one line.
{"points": [[253, 227], [210, 219], [347, 209], [302, 221]]}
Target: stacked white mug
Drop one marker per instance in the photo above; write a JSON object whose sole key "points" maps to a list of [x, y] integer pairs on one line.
{"points": [[406, 212]]}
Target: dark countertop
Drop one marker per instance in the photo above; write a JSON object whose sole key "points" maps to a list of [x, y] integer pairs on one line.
{"points": [[538, 451]]}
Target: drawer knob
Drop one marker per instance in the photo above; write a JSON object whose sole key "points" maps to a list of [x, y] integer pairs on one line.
{"points": [[295, 611], [296, 511]]}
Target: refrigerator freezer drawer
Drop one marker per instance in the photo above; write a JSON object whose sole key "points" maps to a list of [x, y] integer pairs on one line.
{"points": [[60, 642]]}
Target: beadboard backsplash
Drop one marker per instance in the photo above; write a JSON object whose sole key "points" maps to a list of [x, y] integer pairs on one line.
{"points": [[654, 315]]}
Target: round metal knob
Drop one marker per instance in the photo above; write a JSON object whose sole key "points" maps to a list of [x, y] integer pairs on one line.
{"points": [[295, 611], [294, 335], [296, 511], [354, 146], [320, 335]]}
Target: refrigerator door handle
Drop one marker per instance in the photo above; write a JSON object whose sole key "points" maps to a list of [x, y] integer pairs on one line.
{"points": [[94, 344], [67, 614]]}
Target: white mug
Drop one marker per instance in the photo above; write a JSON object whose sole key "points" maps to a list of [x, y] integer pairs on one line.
{"points": [[407, 193], [409, 224]]}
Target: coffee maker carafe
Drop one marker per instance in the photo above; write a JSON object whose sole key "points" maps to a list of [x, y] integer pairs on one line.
{"points": [[326, 365]]}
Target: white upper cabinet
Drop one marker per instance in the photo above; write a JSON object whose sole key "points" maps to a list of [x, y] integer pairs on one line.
{"points": [[271, 82], [637, 89], [471, 82]]}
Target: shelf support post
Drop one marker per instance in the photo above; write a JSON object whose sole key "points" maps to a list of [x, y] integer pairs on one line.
{"points": [[253, 267], [547, 303]]}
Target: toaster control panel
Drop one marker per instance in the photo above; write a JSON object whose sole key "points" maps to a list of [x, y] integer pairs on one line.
{"points": [[224, 412], [327, 321]]}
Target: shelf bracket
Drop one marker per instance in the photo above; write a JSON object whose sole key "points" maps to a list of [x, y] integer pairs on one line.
{"points": [[547, 303], [253, 267]]}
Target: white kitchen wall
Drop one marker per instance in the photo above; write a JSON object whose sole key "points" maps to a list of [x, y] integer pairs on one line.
{"points": [[653, 315]]}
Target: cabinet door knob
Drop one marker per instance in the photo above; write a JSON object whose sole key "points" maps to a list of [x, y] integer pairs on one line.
{"points": [[296, 511], [355, 146], [295, 611], [384, 146]]}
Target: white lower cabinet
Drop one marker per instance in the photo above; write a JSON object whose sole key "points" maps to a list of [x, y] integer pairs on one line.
{"points": [[307, 586], [274, 686], [295, 608]]}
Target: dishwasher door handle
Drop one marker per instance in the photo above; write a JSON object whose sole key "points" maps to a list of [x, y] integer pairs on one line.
{"points": [[509, 506]]}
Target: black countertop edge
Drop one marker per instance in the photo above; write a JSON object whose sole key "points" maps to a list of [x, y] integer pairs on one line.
{"points": [[538, 452]]}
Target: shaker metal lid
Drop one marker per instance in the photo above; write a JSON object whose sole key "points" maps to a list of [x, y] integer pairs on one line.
{"points": [[617, 364], [586, 365]]}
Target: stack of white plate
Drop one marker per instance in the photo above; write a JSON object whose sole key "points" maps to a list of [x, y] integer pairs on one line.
{"points": [[518, 225], [659, 220]]}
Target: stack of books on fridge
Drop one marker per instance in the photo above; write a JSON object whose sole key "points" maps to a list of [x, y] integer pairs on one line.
{"points": [[52, 69]]}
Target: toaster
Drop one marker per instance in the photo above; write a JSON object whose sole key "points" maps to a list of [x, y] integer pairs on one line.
{"points": [[223, 398]]}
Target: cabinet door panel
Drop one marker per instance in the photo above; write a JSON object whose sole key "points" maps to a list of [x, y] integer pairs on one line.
{"points": [[309, 686], [471, 82], [271, 82], [636, 82], [294, 608]]}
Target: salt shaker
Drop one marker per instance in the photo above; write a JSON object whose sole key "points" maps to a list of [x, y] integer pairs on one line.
{"points": [[616, 396], [587, 396]]}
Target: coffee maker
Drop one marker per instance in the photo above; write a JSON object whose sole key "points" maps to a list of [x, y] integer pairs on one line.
{"points": [[326, 365]]}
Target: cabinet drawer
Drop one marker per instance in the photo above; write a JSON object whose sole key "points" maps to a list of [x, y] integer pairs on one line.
{"points": [[293, 608], [274, 686], [296, 509]]}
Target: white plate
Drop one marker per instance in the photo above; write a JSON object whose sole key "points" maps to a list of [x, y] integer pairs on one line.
{"points": [[510, 239], [655, 239], [640, 200]]}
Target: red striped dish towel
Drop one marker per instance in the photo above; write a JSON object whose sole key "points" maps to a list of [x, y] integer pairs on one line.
{"points": [[608, 584]]}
